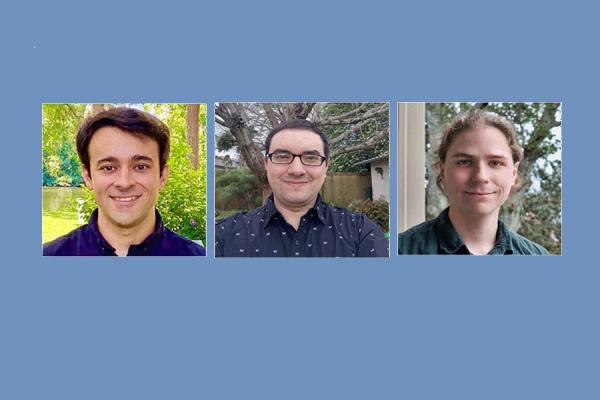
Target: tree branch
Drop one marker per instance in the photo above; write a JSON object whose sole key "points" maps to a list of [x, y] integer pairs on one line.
{"points": [[344, 119], [346, 135], [372, 141], [533, 148]]}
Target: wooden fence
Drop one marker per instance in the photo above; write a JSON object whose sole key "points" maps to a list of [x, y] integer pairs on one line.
{"points": [[342, 188]]}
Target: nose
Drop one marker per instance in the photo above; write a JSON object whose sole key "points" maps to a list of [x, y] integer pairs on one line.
{"points": [[124, 179], [481, 172], [296, 167]]}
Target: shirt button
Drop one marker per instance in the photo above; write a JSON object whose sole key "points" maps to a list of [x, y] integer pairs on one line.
{"points": [[297, 242]]}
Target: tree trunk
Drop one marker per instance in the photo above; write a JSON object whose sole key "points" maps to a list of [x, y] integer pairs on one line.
{"points": [[232, 116], [192, 113]]}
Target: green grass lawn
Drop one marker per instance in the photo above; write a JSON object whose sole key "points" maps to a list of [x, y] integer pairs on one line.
{"points": [[57, 223]]}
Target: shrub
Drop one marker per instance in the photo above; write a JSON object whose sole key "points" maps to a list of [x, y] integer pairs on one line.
{"points": [[238, 188], [378, 211]]}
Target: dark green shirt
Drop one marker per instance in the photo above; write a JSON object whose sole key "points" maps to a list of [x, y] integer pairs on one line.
{"points": [[438, 236]]}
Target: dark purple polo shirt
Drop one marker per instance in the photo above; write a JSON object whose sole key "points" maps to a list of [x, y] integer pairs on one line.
{"points": [[88, 241]]}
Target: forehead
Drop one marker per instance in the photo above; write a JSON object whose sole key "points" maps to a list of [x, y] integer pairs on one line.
{"points": [[481, 141], [110, 141], [297, 141]]}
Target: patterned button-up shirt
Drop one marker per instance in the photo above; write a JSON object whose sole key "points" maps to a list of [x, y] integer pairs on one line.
{"points": [[324, 231]]}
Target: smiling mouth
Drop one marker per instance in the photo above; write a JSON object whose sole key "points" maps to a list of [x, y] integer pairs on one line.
{"points": [[125, 199], [295, 182], [480, 193]]}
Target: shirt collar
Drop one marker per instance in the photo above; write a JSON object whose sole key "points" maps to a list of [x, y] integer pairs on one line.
{"points": [[451, 243], [448, 238], [503, 243], [144, 247], [270, 211]]}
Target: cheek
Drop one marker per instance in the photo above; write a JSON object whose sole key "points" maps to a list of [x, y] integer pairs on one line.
{"points": [[319, 177], [510, 181], [100, 182], [276, 172], [150, 182], [454, 176]]}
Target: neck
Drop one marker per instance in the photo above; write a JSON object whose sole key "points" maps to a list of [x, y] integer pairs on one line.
{"points": [[478, 232], [293, 213], [121, 237]]}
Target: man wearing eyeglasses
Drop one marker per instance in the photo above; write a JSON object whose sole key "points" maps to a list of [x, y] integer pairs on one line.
{"points": [[295, 222]]}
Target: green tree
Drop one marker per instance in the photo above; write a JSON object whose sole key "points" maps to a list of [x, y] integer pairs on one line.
{"points": [[60, 162], [356, 131]]}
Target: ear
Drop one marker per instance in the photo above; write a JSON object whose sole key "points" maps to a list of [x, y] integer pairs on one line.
{"points": [[440, 178], [516, 171], [441, 171], [87, 178], [326, 165], [164, 175], [264, 160]]}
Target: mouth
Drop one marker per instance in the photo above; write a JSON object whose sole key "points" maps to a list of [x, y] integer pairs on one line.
{"points": [[125, 199], [479, 193], [296, 183]]}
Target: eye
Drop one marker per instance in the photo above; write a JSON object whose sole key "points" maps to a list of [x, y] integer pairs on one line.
{"points": [[312, 159], [463, 163], [107, 168], [281, 157], [497, 163], [141, 167]]}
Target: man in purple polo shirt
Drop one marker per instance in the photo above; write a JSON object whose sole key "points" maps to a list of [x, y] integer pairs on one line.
{"points": [[124, 152]]}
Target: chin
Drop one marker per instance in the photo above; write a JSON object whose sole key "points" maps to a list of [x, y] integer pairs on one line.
{"points": [[125, 222], [484, 211], [298, 199]]}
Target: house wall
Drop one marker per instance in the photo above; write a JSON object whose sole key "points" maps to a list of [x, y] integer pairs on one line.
{"points": [[381, 184]]}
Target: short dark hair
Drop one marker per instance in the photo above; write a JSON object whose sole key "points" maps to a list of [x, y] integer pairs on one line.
{"points": [[130, 120], [298, 124]]}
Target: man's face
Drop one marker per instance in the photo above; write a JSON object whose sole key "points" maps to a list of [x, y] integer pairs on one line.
{"points": [[124, 175], [296, 185], [479, 172]]}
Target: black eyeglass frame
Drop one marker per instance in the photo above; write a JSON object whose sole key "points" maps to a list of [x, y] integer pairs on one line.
{"points": [[323, 159]]}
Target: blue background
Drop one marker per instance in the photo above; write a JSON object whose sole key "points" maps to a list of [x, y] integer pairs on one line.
{"points": [[407, 327]]}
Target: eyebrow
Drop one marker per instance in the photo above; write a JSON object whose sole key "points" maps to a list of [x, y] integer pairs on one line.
{"points": [[137, 157], [467, 155], [304, 152]]}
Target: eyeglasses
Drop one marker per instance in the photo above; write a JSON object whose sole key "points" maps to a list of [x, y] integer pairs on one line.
{"points": [[285, 157]]}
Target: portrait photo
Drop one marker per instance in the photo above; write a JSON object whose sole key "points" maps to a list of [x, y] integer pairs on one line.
{"points": [[480, 178], [124, 179], [302, 179]]}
